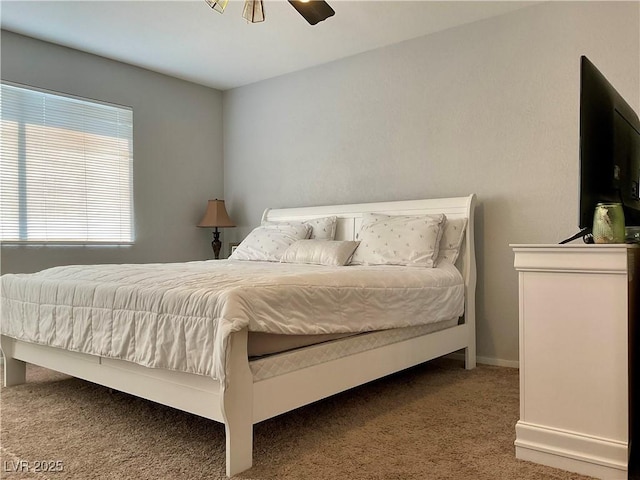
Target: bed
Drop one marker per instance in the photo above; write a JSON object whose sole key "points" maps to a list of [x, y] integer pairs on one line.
{"points": [[220, 380]]}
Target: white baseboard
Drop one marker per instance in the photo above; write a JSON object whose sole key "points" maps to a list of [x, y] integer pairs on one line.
{"points": [[496, 362]]}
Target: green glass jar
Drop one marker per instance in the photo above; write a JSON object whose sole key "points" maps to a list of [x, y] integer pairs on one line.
{"points": [[608, 223]]}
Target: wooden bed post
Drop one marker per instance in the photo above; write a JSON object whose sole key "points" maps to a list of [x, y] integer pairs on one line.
{"points": [[15, 371], [470, 275], [470, 351], [237, 406]]}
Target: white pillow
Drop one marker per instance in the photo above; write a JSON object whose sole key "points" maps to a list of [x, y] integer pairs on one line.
{"points": [[323, 228], [452, 239], [320, 252], [411, 240], [267, 243]]}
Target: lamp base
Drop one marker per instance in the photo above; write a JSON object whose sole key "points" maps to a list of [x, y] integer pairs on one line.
{"points": [[216, 244]]}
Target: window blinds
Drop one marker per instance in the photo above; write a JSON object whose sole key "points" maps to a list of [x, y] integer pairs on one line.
{"points": [[66, 172]]}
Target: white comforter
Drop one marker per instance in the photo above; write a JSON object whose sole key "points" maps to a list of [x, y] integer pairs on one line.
{"points": [[179, 316]]}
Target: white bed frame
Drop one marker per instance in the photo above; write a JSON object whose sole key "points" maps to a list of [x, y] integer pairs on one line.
{"points": [[245, 402]]}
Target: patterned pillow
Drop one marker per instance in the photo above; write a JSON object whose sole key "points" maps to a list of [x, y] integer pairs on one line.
{"points": [[323, 228], [452, 239], [320, 252], [268, 243], [411, 240]]}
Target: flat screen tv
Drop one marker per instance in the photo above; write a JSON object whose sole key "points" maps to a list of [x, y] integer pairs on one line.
{"points": [[609, 150]]}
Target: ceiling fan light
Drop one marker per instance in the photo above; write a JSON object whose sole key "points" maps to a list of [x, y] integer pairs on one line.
{"points": [[313, 11], [253, 11], [217, 5]]}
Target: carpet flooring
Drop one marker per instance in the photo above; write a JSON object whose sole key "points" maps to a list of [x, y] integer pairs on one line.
{"points": [[434, 421]]}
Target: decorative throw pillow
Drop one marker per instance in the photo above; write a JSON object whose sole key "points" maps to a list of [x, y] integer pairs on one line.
{"points": [[323, 228], [452, 238], [320, 252], [411, 240], [267, 243]]}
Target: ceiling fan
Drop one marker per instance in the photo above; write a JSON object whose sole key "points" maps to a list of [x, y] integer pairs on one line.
{"points": [[313, 11]]}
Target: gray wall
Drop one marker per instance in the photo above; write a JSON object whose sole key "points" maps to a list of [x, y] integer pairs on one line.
{"points": [[178, 162], [491, 108]]}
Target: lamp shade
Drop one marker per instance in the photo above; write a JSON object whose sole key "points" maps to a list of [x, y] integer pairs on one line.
{"points": [[216, 215]]}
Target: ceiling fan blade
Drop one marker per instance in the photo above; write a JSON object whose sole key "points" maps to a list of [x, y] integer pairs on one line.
{"points": [[217, 5], [253, 11], [313, 11]]}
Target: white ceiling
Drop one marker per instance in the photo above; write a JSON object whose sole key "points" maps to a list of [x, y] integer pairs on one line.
{"points": [[187, 39]]}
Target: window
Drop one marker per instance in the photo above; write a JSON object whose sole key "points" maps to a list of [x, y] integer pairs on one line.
{"points": [[66, 169]]}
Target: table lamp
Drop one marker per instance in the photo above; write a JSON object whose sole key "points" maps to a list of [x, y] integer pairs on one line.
{"points": [[216, 217]]}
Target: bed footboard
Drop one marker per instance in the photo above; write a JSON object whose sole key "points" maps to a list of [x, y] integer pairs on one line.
{"points": [[237, 407], [15, 371], [202, 396]]}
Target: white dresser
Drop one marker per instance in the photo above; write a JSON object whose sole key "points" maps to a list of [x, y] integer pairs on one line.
{"points": [[576, 302]]}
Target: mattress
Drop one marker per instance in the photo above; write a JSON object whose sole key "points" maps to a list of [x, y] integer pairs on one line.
{"points": [[261, 343], [297, 359], [180, 316]]}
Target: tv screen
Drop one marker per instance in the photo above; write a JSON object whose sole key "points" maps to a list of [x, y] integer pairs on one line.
{"points": [[609, 149]]}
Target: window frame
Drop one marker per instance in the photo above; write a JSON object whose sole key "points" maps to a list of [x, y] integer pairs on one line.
{"points": [[23, 178]]}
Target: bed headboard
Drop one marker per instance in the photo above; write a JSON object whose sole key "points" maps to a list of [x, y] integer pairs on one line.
{"points": [[350, 220]]}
